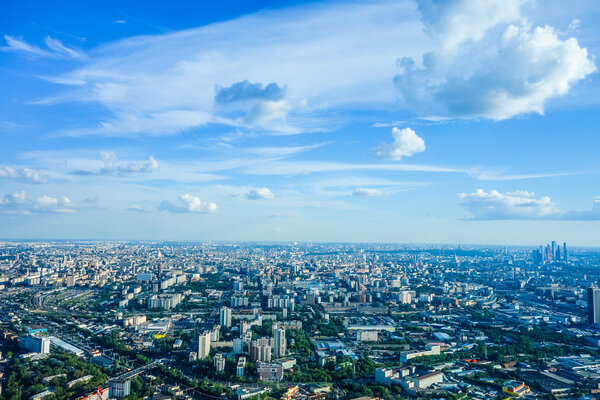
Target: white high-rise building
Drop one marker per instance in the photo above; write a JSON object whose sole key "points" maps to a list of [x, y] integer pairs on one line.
{"points": [[280, 345], [215, 334], [203, 345], [219, 362], [225, 317]]}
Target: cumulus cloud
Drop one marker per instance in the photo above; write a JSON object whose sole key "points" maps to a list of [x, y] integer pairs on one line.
{"points": [[135, 208], [11, 200], [591, 215], [111, 166], [17, 203], [245, 91], [266, 111], [259, 194], [262, 104], [26, 175], [518, 205], [509, 205], [490, 62], [189, 204], [52, 204], [55, 48], [366, 192], [406, 143]]}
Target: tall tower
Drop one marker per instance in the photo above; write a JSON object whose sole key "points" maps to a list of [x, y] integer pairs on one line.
{"points": [[565, 254], [225, 317], [203, 344], [593, 300], [280, 344]]}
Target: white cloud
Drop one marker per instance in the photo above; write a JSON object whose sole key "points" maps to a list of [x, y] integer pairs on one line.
{"points": [[494, 205], [17, 203], [520, 205], [574, 25], [454, 22], [14, 44], [406, 143], [388, 124], [189, 204], [282, 151], [259, 194], [266, 111], [112, 167], [26, 175], [60, 50], [245, 91], [55, 48], [327, 55], [135, 208], [11, 200], [52, 204], [490, 62], [262, 104], [592, 215], [367, 192], [510, 205]]}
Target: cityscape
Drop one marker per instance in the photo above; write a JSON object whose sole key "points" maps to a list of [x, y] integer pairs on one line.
{"points": [[299, 200], [131, 320]]}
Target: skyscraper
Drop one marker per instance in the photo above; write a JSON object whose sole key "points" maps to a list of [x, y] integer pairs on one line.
{"points": [[593, 300], [279, 342], [225, 317], [203, 345], [565, 254]]}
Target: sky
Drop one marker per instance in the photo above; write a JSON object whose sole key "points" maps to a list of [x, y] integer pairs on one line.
{"points": [[458, 121]]}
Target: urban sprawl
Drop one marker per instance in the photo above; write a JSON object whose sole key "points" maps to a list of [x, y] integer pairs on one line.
{"points": [[297, 321]]}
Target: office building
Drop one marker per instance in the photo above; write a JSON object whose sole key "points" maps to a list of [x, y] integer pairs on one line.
{"points": [[593, 301], [36, 344]]}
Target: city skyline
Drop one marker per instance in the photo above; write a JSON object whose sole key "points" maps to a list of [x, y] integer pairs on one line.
{"points": [[398, 122]]}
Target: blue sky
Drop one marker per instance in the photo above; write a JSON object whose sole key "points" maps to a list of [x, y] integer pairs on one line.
{"points": [[459, 121]]}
